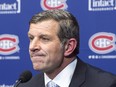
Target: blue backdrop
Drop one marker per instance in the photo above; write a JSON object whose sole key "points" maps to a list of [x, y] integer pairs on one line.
{"points": [[97, 21]]}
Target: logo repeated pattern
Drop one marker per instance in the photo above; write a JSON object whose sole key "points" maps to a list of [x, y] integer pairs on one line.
{"points": [[101, 5], [10, 8], [53, 4], [8, 44], [102, 42]]}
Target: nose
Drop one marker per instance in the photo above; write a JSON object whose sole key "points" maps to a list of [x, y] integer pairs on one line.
{"points": [[34, 45]]}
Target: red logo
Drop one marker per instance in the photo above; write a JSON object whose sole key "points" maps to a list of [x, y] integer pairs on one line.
{"points": [[8, 44], [53, 4], [102, 42]]}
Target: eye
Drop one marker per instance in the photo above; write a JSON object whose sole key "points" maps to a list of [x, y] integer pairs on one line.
{"points": [[30, 38], [45, 39]]}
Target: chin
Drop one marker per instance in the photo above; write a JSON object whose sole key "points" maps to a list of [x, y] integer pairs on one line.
{"points": [[37, 68]]}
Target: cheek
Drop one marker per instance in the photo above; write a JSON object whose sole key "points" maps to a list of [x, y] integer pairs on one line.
{"points": [[56, 49], [56, 53]]}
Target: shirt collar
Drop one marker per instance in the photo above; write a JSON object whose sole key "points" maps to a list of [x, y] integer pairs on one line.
{"points": [[63, 79]]}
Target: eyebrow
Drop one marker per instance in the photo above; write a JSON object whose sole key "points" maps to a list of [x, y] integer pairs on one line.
{"points": [[41, 35]]}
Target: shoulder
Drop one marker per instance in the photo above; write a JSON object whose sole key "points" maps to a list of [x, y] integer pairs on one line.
{"points": [[93, 76], [99, 76], [93, 70]]}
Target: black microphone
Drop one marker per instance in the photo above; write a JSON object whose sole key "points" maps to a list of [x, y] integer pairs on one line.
{"points": [[24, 77]]}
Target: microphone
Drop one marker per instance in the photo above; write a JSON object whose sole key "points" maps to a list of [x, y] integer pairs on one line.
{"points": [[24, 77]]}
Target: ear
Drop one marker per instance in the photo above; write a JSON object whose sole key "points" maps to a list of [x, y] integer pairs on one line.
{"points": [[70, 46]]}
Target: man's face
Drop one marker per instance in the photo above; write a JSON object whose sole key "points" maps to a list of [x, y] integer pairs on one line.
{"points": [[46, 50]]}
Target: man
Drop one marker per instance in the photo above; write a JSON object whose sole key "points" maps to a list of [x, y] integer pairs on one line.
{"points": [[54, 44]]}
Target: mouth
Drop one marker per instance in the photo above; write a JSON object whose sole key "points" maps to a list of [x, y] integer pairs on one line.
{"points": [[37, 57]]}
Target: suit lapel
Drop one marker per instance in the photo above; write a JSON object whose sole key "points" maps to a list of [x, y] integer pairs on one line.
{"points": [[79, 74], [40, 81]]}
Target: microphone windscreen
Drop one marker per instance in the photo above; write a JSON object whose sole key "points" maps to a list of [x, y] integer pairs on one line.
{"points": [[25, 76]]}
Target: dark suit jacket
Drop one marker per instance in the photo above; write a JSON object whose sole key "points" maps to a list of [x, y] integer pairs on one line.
{"points": [[85, 75]]}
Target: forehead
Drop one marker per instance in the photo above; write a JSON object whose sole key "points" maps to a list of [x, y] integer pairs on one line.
{"points": [[48, 26]]}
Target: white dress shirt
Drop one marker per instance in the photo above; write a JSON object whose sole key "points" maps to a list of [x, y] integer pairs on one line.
{"points": [[63, 79]]}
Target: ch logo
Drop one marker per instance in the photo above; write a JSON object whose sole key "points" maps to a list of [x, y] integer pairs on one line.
{"points": [[102, 42], [53, 4], [8, 44]]}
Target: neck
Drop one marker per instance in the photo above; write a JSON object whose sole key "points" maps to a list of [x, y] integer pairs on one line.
{"points": [[54, 73]]}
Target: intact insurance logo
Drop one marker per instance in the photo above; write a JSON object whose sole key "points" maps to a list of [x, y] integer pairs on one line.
{"points": [[102, 43], [10, 6], [101, 5], [8, 46], [53, 4]]}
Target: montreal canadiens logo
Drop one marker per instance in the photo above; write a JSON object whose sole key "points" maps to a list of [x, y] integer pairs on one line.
{"points": [[53, 4], [8, 44], [102, 42]]}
